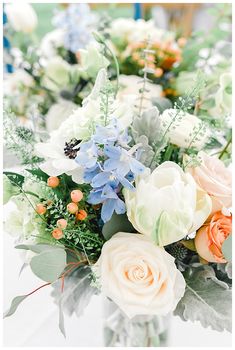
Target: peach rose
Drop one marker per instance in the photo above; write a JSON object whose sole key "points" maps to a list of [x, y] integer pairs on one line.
{"points": [[210, 237], [140, 277], [214, 178]]}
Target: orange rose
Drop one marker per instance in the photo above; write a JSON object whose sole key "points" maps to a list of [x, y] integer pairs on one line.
{"points": [[211, 236], [214, 178]]}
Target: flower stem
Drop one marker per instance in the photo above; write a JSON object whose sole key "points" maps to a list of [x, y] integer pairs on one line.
{"points": [[226, 147]]}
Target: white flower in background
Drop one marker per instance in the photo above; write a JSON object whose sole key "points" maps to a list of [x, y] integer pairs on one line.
{"points": [[167, 205], [8, 189], [129, 85], [21, 16], [185, 81], [60, 151], [51, 42], [140, 277], [56, 74], [121, 28], [17, 79], [223, 97], [92, 60], [182, 131], [58, 113]]}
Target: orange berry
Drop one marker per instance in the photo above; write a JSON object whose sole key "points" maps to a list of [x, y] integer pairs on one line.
{"points": [[182, 42], [57, 233], [61, 223], [40, 209], [53, 181], [158, 72], [72, 208], [76, 196], [81, 215]]}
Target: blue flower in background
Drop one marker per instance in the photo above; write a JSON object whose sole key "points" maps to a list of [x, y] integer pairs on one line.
{"points": [[77, 22]]}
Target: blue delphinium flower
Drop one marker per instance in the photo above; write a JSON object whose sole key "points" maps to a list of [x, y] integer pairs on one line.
{"points": [[109, 165], [77, 21]]}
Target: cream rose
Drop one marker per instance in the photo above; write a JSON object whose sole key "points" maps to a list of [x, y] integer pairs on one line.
{"points": [[167, 204], [138, 276], [214, 178]]}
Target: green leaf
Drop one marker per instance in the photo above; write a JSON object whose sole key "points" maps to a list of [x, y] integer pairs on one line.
{"points": [[206, 299], [227, 248], [162, 103], [14, 305], [38, 173], [117, 223], [37, 248], [16, 179], [61, 320], [49, 264]]}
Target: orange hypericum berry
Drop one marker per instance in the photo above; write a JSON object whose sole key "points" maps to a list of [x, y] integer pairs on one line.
{"points": [[61, 223], [158, 72], [57, 233], [72, 208], [81, 215], [76, 196], [53, 181], [40, 209]]}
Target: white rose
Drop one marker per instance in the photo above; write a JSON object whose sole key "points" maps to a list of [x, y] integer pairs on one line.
{"points": [[129, 85], [17, 79], [167, 205], [21, 16], [138, 276], [182, 131]]}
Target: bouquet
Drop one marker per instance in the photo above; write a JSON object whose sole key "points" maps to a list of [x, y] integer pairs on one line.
{"points": [[130, 203]]}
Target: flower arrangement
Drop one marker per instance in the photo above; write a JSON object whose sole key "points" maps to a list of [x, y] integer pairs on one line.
{"points": [[130, 203]]}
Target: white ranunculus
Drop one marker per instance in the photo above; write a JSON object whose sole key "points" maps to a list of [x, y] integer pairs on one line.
{"points": [[182, 131], [58, 113], [51, 42], [92, 60], [17, 79], [167, 205], [140, 277], [129, 85], [21, 16]]}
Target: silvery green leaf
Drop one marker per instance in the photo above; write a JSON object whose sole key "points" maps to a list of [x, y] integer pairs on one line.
{"points": [[206, 299], [224, 273], [49, 265], [61, 320], [227, 248], [228, 269], [14, 305], [77, 291], [37, 248], [117, 223], [147, 124], [162, 103]]}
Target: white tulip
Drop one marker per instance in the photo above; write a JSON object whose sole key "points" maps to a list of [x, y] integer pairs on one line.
{"points": [[167, 205], [21, 16]]}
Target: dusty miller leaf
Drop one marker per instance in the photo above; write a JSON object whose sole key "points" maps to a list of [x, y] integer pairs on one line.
{"points": [[206, 299], [77, 291], [147, 124]]}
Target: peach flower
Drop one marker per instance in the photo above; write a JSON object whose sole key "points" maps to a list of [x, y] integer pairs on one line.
{"points": [[140, 277], [214, 178], [210, 237]]}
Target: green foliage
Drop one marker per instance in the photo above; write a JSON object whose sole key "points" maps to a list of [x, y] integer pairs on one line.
{"points": [[14, 305], [206, 299], [227, 248], [117, 223], [49, 264], [16, 179]]}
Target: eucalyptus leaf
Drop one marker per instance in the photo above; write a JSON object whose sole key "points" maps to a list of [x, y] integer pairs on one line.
{"points": [[227, 248], [61, 320], [117, 223], [38, 248], [14, 305], [49, 264], [206, 299]]}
